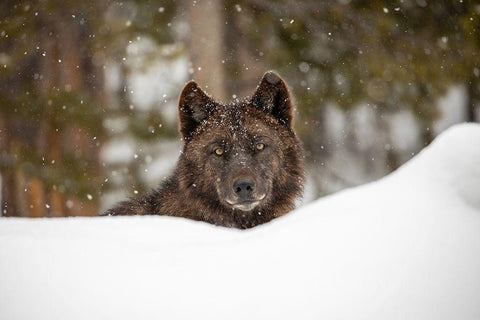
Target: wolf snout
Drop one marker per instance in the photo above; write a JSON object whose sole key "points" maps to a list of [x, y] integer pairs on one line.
{"points": [[243, 188]]}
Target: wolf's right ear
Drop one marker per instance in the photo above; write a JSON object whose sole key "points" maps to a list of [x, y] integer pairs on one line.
{"points": [[194, 106], [272, 96]]}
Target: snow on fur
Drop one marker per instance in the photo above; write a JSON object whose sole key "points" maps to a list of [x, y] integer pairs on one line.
{"points": [[404, 247]]}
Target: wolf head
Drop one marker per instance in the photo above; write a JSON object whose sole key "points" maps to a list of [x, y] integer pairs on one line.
{"points": [[244, 157]]}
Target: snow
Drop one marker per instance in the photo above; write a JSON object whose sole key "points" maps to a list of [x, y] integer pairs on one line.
{"points": [[404, 247], [452, 108]]}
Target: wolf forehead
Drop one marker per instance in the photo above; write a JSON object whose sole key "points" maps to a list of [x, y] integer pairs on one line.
{"points": [[240, 121]]}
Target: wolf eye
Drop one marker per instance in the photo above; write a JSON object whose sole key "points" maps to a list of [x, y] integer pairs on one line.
{"points": [[219, 151], [260, 146]]}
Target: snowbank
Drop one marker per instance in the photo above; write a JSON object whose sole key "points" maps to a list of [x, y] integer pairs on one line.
{"points": [[404, 247]]}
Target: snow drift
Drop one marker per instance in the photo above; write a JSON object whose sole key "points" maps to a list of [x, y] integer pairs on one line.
{"points": [[404, 247]]}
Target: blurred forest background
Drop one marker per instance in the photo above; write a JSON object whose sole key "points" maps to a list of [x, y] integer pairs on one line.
{"points": [[88, 89]]}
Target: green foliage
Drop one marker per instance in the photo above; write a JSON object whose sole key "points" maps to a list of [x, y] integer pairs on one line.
{"points": [[54, 129], [389, 54]]}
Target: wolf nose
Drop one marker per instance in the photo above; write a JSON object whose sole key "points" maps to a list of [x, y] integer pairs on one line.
{"points": [[243, 187]]}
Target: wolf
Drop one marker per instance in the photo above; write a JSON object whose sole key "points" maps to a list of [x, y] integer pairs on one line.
{"points": [[241, 163]]}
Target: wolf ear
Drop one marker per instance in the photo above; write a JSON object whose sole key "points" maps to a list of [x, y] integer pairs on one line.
{"points": [[272, 97], [194, 106]]}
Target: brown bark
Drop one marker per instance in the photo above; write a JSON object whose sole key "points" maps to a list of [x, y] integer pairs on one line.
{"points": [[12, 182], [9, 207], [36, 198], [55, 198], [473, 99], [206, 43], [245, 63]]}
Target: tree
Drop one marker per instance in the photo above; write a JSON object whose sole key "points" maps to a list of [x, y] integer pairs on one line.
{"points": [[206, 44], [51, 106], [387, 55]]}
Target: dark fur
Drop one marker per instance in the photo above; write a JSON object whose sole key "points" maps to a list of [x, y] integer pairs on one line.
{"points": [[201, 188]]}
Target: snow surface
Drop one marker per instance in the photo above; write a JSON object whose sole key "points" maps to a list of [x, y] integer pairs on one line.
{"points": [[404, 247]]}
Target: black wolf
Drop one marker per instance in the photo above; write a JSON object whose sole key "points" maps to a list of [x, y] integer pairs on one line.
{"points": [[241, 164]]}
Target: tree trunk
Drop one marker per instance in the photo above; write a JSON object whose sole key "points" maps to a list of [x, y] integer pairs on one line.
{"points": [[206, 45], [245, 63], [473, 99], [36, 198]]}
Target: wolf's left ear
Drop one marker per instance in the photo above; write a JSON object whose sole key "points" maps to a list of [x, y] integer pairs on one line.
{"points": [[272, 96], [194, 106]]}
